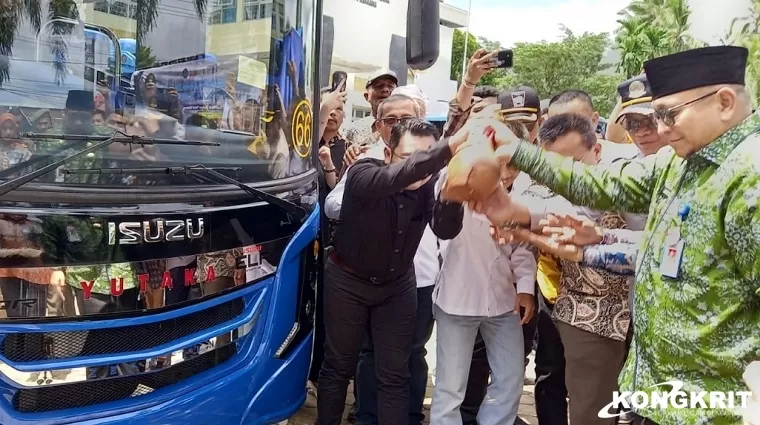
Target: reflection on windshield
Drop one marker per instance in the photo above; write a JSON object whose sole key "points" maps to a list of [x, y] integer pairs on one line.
{"points": [[232, 72]]}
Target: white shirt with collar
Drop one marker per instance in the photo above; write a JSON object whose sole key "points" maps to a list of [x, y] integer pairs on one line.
{"points": [[426, 265], [478, 276]]}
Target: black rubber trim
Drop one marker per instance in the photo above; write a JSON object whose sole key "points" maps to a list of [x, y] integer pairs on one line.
{"points": [[33, 192], [40, 346]]}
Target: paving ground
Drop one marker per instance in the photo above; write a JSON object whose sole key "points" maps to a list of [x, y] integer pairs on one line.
{"points": [[526, 412]]}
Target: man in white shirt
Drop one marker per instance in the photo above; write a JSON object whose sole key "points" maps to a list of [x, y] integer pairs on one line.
{"points": [[481, 287], [426, 268]]}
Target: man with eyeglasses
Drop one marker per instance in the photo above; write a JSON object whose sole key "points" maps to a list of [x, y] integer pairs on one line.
{"points": [[521, 105], [584, 328], [637, 115], [696, 312], [370, 276], [396, 110], [364, 132]]}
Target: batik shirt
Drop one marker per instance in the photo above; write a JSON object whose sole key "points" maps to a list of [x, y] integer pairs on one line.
{"points": [[702, 328], [362, 132]]}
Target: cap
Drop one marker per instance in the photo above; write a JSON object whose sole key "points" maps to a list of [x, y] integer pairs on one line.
{"points": [[696, 68], [384, 73], [80, 100], [636, 97], [521, 103], [150, 80], [411, 90]]}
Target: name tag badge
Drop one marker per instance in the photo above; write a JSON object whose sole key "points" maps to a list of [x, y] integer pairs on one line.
{"points": [[672, 254]]}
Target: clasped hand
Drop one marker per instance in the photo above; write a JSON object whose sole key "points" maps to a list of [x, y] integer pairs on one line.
{"points": [[560, 235]]}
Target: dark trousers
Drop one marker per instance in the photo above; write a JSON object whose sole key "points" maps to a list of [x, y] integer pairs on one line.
{"points": [[366, 382], [590, 392], [480, 371], [318, 351], [389, 309], [550, 391]]}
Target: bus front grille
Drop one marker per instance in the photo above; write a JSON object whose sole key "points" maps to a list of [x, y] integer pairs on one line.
{"points": [[68, 396], [37, 346]]}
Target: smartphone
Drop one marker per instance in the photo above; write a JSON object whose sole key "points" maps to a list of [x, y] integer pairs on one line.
{"points": [[504, 58], [337, 78]]}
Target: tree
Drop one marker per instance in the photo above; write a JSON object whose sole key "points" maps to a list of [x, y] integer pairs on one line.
{"points": [[571, 63], [144, 57], [649, 29], [473, 43], [550, 68], [745, 31], [14, 12]]}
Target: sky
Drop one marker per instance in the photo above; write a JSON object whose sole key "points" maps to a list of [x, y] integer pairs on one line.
{"points": [[511, 21]]}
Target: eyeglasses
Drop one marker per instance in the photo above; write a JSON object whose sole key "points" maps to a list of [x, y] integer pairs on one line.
{"points": [[668, 116], [632, 125], [392, 121]]}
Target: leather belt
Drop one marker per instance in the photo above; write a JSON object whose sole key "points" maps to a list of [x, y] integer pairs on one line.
{"points": [[376, 280]]}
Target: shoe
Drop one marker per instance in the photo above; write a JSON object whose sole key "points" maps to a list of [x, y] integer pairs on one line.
{"points": [[311, 395]]}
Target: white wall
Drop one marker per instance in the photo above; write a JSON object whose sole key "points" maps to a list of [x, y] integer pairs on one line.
{"points": [[362, 38], [710, 20]]}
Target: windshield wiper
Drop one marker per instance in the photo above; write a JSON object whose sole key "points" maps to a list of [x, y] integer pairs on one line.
{"points": [[103, 141], [209, 174], [80, 139]]}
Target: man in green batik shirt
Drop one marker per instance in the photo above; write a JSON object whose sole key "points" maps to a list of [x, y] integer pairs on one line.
{"points": [[77, 120], [697, 294]]}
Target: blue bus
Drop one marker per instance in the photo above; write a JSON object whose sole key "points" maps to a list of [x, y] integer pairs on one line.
{"points": [[159, 263]]}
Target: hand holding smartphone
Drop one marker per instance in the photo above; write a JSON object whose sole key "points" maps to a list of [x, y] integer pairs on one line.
{"points": [[504, 58], [339, 77]]}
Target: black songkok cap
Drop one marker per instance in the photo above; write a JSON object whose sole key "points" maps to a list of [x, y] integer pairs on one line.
{"points": [[696, 68], [80, 100]]}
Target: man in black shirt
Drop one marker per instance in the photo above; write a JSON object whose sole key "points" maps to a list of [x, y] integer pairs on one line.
{"points": [[369, 277]]}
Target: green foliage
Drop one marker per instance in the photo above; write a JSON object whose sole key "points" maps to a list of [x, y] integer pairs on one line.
{"points": [[649, 29], [145, 57], [745, 31], [550, 68]]}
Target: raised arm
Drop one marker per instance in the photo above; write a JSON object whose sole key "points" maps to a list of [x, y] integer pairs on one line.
{"points": [[623, 185], [367, 178]]}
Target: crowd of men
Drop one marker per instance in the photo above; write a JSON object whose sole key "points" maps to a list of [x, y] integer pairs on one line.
{"points": [[547, 260]]}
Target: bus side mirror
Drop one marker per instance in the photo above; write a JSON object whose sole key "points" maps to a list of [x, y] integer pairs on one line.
{"points": [[423, 33]]}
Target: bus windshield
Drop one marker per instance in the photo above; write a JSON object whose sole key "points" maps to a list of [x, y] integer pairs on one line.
{"points": [[236, 74]]}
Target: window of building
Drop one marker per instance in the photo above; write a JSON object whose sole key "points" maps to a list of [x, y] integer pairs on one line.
{"points": [[224, 12], [257, 9], [360, 112], [117, 8]]}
